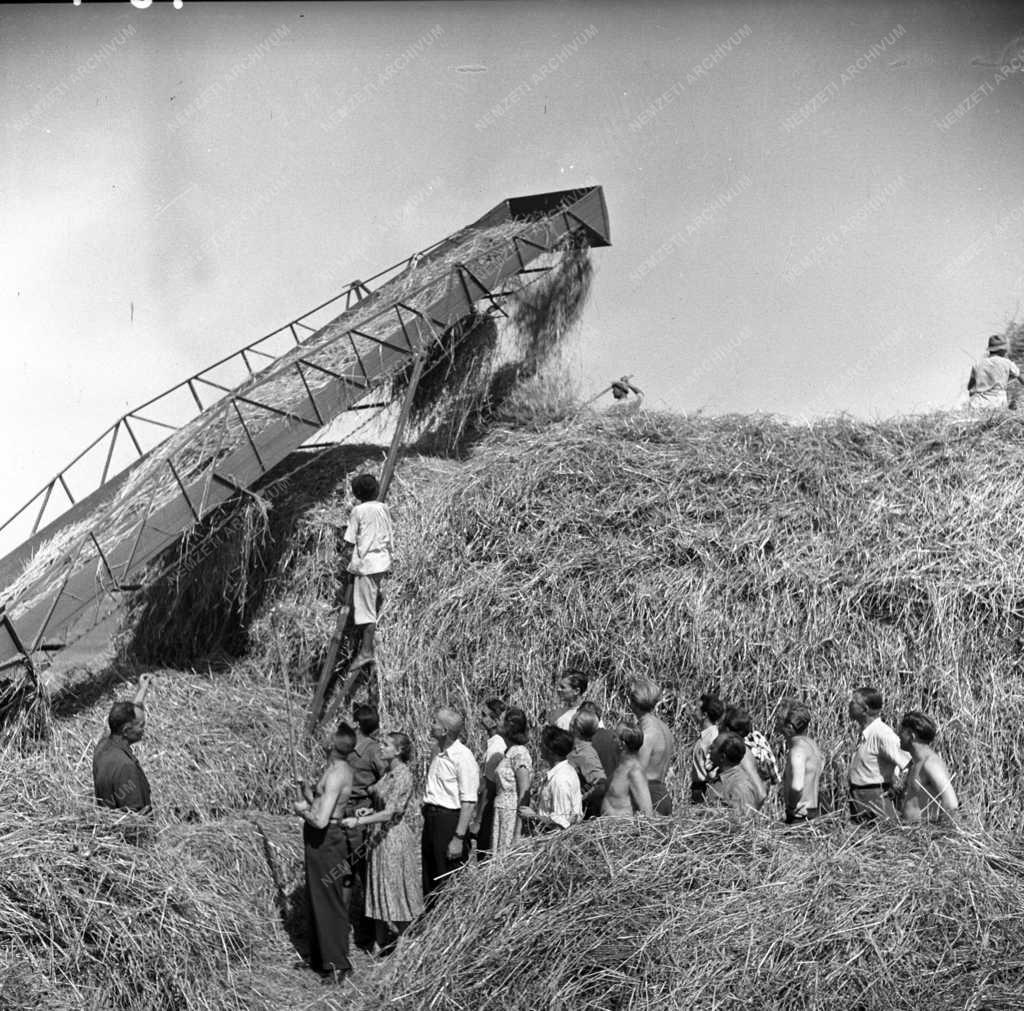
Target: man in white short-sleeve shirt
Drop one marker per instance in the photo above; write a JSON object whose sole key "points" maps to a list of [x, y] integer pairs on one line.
{"points": [[560, 803], [449, 798], [877, 762], [371, 535]]}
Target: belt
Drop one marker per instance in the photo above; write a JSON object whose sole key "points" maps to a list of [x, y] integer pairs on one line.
{"points": [[438, 807], [347, 812], [869, 786]]}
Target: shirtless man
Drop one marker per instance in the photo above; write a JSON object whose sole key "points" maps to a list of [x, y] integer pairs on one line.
{"points": [[659, 748], [803, 763], [328, 859], [627, 792], [928, 794]]}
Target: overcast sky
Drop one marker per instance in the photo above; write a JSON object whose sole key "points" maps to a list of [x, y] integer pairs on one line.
{"points": [[814, 207]]}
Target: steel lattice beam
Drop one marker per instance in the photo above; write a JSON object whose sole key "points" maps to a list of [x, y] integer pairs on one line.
{"points": [[80, 587]]}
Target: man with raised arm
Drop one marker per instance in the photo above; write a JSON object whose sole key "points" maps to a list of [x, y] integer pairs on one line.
{"points": [[449, 798], [328, 858], [117, 776], [659, 747], [803, 765], [877, 762]]}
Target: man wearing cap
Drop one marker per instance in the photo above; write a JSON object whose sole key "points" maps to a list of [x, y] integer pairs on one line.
{"points": [[621, 389], [117, 777], [991, 376]]}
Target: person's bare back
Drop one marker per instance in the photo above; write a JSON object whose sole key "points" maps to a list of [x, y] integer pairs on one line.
{"points": [[928, 793], [335, 782], [800, 779], [658, 749], [627, 792]]}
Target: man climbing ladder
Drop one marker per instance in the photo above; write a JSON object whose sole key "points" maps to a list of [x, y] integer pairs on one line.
{"points": [[370, 532]]}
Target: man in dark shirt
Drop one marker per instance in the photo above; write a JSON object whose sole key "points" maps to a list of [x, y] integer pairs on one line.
{"points": [[605, 743], [367, 768], [117, 777], [734, 787]]}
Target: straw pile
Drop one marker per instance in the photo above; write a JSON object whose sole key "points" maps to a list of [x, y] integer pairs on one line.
{"points": [[106, 913], [736, 554], [700, 912], [743, 555], [190, 909]]}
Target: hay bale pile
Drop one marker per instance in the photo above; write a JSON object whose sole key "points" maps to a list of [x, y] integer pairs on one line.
{"points": [[190, 909], [701, 912]]}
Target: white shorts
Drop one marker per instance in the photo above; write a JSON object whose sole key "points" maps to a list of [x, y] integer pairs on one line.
{"points": [[365, 598]]}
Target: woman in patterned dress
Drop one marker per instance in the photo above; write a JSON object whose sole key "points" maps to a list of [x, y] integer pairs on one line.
{"points": [[394, 892], [513, 773]]}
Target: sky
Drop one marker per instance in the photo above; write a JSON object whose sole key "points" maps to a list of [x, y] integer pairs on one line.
{"points": [[815, 207]]}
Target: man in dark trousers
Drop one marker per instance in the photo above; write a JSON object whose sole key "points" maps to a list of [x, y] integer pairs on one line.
{"points": [[327, 856], [449, 799], [117, 777]]}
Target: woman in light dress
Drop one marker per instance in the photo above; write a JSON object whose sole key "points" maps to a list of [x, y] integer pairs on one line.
{"points": [[514, 773], [394, 891]]}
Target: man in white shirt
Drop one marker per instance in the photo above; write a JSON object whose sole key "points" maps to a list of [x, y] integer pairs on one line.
{"points": [[449, 798], [560, 803], [877, 762]]}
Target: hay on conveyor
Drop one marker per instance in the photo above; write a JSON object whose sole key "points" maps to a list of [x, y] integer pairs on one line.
{"points": [[198, 446], [705, 913]]}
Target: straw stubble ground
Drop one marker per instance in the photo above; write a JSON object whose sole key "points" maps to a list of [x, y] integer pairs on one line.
{"points": [[741, 555]]}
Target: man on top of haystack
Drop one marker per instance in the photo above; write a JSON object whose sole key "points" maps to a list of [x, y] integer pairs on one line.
{"points": [[991, 376], [621, 390]]}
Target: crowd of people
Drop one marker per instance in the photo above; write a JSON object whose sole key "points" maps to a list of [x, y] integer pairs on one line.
{"points": [[363, 872], [364, 875], [481, 807]]}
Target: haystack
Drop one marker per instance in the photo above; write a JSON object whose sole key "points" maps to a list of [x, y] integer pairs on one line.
{"points": [[742, 555], [704, 912]]}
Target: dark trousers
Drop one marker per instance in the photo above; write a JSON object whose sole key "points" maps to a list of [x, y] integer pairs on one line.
{"points": [[485, 837], [661, 800], [871, 803], [439, 825], [592, 805], [328, 882], [362, 927]]}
